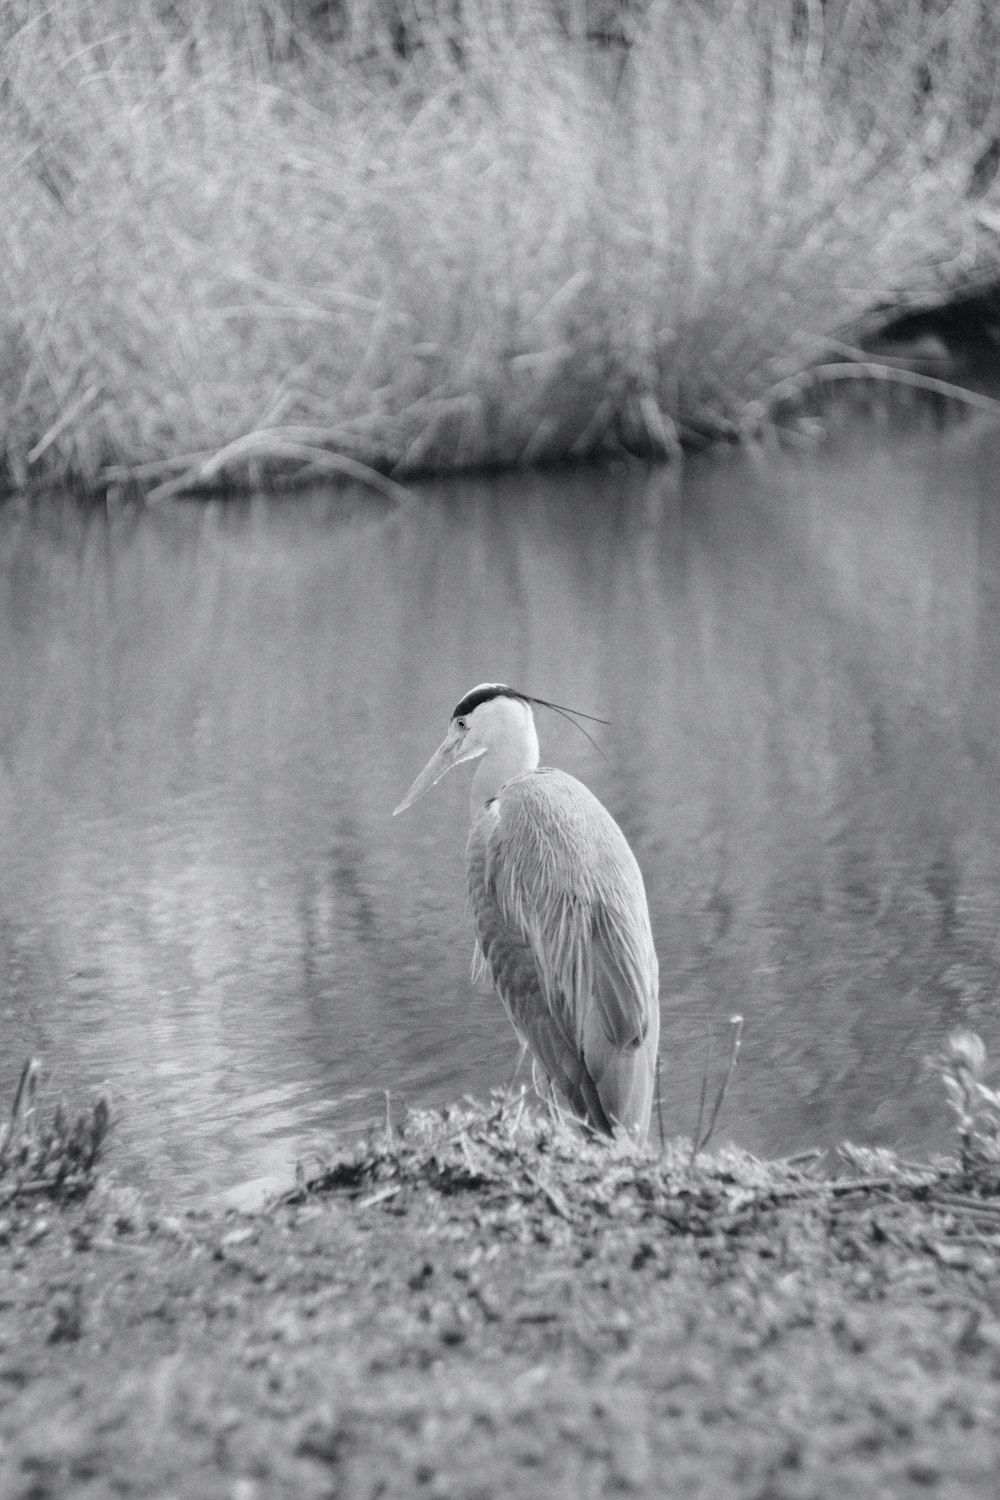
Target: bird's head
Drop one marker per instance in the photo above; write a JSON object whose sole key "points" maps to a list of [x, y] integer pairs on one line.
{"points": [[490, 718]]}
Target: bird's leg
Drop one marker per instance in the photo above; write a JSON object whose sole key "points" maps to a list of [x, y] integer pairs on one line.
{"points": [[548, 1093], [518, 1065]]}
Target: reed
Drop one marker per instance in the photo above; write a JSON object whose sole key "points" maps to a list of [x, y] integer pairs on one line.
{"points": [[432, 236]]}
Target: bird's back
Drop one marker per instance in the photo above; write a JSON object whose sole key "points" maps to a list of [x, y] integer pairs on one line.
{"points": [[562, 921]]}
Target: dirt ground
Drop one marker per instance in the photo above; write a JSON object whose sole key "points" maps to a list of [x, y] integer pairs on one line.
{"points": [[491, 1306]]}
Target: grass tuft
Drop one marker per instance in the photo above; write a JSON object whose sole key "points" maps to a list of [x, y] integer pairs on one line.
{"points": [[54, 1157], [975, 1104]]}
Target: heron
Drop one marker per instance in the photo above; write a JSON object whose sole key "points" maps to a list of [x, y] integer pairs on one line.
{"points": [[560, 912]]}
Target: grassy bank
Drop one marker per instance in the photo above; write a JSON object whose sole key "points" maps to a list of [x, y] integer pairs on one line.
{"points": [[418, 237], [488, 1305]]}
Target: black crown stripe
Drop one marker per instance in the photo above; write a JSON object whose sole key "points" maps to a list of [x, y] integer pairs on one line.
{"points": [[484, 694]]}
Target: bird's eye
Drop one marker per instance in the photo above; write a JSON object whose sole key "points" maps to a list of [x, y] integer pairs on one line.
{"points": [[462, 723]]}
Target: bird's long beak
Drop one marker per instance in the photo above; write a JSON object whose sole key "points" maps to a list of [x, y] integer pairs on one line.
{"points": [[450, 752]]}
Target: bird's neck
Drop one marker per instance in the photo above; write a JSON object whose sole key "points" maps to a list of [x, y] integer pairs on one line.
{"points": [[512, 753]]}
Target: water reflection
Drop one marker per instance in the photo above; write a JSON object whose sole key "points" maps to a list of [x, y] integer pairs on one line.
{"points": [[208, 712]]}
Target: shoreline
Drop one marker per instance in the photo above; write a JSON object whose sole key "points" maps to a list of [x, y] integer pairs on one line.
{"points": [[488, 1304]]}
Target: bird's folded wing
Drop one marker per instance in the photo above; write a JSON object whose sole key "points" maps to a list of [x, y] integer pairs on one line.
{"points": [[620, 980]]}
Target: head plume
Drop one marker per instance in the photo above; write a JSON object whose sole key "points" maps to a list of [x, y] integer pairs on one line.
{"points": [[487, 690]]}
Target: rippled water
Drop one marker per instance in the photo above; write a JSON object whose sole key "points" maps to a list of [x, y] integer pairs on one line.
{"points": [[208, 712]]}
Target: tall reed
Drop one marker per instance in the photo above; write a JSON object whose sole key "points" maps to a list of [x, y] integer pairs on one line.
{"points": [[423, 236]]}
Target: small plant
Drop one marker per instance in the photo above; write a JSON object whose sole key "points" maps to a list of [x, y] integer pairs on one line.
{"points": [[701, 1137], [55, 1158], [963, 1067]]}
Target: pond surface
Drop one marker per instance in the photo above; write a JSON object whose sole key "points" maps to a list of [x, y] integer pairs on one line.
{"points": [[208, 712]]}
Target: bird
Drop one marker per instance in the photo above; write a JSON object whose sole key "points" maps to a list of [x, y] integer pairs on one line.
{"points": [[560, 912]]}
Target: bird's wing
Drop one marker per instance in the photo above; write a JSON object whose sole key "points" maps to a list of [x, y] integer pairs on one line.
{"points": [[561, 917], [565, 878], [509, 952], [623, 974], [622, 1024]]}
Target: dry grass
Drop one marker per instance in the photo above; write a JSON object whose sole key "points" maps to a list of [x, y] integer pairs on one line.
{"points": [[975, 1104], [233, 248], [513, 1151], [53, 1157], [533, 1161]]}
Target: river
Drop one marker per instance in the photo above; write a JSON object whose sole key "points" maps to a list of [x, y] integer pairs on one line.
{"points": [[209, 709]]}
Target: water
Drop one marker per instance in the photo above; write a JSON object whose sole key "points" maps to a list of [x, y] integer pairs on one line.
{"points": [[208, 711]]}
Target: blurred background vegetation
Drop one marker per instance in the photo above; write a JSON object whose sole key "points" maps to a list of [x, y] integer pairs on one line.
{"points": [[246, 239]]}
